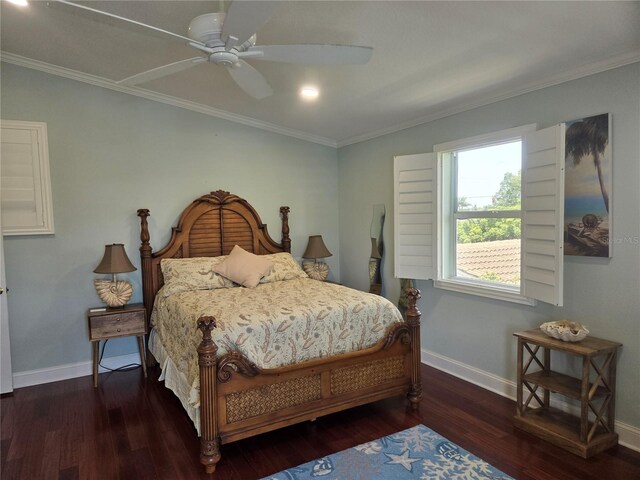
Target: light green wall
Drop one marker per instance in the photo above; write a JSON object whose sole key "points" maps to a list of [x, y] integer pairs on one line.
{"points": [[112, 153], [603, 294]]}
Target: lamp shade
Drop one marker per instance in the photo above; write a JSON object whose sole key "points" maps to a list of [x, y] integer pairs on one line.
{"points": [[316, 248], [375, 252], [115, 260]]}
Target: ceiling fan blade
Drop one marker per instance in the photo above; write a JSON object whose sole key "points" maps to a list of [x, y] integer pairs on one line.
{"points": [[312, 54], [250, 80], [111, 18], [244, 18], [162, 71]]}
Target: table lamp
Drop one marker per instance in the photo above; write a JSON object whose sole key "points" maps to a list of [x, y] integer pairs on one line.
{"points": [[115, 293], [316, 249]]}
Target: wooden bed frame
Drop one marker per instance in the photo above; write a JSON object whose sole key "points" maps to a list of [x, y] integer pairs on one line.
{"points": [[238, 399]]}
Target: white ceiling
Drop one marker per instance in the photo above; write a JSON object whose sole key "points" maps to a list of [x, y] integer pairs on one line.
{"points": [[430, 58]]}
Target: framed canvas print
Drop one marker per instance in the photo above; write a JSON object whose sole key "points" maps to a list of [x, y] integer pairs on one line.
{"points": [[588, 178]]}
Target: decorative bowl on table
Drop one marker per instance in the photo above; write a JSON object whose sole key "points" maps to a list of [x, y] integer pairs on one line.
{"points": [[565, 330]]}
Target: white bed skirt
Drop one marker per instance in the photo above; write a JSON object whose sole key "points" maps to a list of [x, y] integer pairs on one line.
{"points": [[174, 380]]}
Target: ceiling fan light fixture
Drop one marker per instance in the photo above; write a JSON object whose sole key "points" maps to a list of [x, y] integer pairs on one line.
{"points": [[309, 93], [20, 3], [206, 28]]}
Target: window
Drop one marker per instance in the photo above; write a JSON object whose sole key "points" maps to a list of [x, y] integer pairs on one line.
{"points": [[483, 215], [480, 217], [24, 175]]}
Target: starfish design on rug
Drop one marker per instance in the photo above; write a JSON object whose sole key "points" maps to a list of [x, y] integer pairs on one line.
{"points": [[403, 460]]}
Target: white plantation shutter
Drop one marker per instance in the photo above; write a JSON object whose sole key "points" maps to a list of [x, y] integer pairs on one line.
{"points": [[543, 214], [24, 179], [414, 216]]}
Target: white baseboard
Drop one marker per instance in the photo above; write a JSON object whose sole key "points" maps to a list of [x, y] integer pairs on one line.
{"points": [[629, 436], [70, 370]]}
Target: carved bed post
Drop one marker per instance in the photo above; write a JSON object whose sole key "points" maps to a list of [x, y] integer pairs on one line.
{"points": [[147, 283], [208, 360], [286, 241], [413, 322]]}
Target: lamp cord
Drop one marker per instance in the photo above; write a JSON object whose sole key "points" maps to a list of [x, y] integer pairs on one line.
{"points": [[124, 368]]}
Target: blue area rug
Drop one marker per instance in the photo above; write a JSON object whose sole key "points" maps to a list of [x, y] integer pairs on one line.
{"points": [[415, 453]]}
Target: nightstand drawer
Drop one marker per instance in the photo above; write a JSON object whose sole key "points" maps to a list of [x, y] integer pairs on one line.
{"points": [[116, 325]]}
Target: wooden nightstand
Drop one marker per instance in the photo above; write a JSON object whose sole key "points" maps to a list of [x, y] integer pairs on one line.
{"points": [[116, 323]]}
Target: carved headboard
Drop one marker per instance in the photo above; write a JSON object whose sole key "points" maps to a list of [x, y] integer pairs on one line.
{"points": [[209, 227]]}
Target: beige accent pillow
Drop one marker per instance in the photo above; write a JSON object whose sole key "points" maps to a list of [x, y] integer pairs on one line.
{"points": [[244, 267]]}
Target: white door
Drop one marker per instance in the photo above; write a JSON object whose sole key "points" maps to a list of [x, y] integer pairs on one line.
{"points": [[6, 375]]}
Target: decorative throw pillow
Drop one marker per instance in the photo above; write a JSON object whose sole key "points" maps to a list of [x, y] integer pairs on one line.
{"points": [[193, 273], [244, 267], [285, 267]]}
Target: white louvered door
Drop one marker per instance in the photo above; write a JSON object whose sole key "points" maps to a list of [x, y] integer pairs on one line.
{"points": [[414, 216], [543, 214]]}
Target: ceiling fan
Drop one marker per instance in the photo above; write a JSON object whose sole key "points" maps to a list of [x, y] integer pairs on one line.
{"points": [[227, 39]]}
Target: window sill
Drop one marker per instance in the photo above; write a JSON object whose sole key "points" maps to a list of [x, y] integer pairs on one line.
{"points": [[488, 291]]}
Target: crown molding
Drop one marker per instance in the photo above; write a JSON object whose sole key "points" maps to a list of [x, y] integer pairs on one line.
{"points": [[580, 72], [160, 97]]}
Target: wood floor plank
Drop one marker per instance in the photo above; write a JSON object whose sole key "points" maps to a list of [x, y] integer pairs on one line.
{"points": [[11, 470], [130, 427], [87, 464], [7, 418], [51, 456], [69, 420], [72, 473], [160, 454], [32, 459]]}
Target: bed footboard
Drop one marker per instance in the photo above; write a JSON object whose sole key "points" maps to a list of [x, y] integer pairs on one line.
{"points": [[239, 400]]}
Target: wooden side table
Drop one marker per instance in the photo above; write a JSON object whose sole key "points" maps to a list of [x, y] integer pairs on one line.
{"points": [[578, 435], [116, 323]]}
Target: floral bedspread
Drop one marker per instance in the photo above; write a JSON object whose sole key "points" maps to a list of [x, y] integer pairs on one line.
{"points": [[274, 324]]}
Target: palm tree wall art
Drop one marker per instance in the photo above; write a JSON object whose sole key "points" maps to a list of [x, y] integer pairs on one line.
{"points": [[588, 186]]}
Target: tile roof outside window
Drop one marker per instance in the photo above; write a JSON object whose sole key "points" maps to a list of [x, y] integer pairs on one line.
{"points": [[499, 260]]}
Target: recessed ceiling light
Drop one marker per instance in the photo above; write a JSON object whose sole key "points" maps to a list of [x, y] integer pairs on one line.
{"points": [[20, 3], [309, 93]]}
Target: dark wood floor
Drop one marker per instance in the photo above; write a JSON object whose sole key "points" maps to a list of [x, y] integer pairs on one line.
{"points": [[130, 428]]}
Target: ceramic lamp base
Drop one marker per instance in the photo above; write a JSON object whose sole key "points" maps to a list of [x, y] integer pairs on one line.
{"points": [[114, 294], [316, 270]]}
